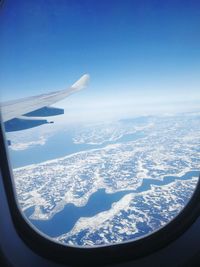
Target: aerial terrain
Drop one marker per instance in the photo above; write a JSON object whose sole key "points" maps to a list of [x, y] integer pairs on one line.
{"points": [[119, 181]]}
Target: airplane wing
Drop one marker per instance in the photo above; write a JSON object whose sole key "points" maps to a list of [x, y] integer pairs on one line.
{"points": [[23, 113]]}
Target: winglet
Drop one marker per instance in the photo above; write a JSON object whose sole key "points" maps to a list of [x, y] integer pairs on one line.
{"points": [[81, 83]]}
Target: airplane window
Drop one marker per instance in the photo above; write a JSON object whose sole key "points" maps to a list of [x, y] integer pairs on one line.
{"points": [[100, 103]]}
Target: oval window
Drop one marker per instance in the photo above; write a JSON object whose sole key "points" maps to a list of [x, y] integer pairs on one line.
{"points": [[114, 159]]}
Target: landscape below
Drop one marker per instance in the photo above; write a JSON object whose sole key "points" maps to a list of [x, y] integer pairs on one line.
{"points": [[117, 181]]}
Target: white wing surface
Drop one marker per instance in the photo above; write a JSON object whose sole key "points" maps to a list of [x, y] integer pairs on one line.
{"points": [[16, 108], [23, 110]]}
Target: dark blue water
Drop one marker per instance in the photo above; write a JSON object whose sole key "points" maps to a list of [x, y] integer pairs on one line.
{"points": [[63, 221], [59, 145]]}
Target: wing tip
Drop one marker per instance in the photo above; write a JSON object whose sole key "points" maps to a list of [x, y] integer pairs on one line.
{"points": [[82, 82]]}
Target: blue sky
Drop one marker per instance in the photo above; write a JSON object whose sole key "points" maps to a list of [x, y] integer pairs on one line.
{"points": [[135, 51]]}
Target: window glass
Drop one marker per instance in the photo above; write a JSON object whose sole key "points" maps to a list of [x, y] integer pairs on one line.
{"points": [[100, 102]]}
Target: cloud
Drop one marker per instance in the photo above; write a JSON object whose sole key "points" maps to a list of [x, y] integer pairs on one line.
{"points": [[27, 145]]}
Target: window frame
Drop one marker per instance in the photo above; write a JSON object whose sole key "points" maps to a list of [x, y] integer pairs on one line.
{"points": [[97, 255]]}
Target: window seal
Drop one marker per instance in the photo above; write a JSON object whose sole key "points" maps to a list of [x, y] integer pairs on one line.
{"points": [[98, 255]]}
